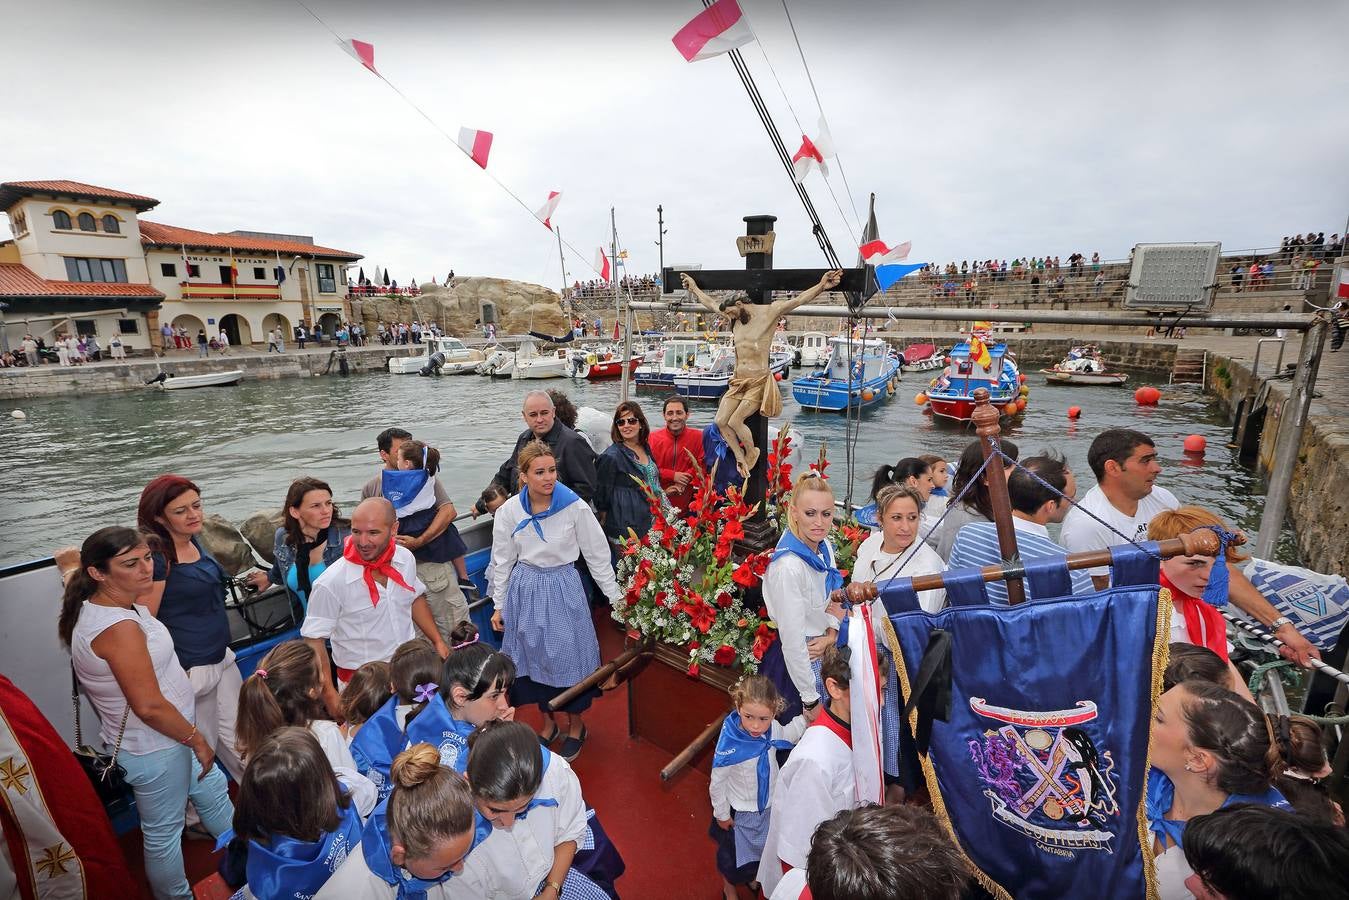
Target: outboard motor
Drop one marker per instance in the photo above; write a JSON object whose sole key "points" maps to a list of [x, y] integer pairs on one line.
{"points": [[158, 379], [433, 364]]}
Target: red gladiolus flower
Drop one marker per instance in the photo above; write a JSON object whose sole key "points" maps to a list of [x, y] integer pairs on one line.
{"points": [[661, 597], [724, 656], [744, 575], [763, 632], [763, 614], [694, 645], [683, 550], [693, 670], [702, 617]]}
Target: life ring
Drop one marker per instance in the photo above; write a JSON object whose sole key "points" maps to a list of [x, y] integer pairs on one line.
{"points": [[592, 359]]}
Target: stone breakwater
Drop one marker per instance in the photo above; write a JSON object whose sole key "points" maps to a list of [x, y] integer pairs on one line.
{"points": [[1318, 503]]}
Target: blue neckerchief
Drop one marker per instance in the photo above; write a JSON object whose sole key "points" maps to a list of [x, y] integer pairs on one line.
{"points": [[563, 497], [539, 801], [1215, 592], [376, 846], [437, 726], [401, 486], [719, 447], [289, 869], [791, 545], [1161, 794], [735, 745], [377, 743], [867, 516]]}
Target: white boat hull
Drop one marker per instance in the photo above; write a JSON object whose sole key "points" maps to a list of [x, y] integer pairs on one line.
{"points": [[1055, 376], [211, 379], [540, 368]]}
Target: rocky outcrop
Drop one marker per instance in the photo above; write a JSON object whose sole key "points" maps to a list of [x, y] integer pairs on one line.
{"points": [[223, 541], [518, 306]]}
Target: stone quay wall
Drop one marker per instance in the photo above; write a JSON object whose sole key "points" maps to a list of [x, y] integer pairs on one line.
{"points": [[1318, 502], [132, 375]]}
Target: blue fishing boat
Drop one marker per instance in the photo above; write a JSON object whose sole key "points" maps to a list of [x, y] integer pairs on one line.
{"points": [[710, 382], [873, 377], [951, 394], [677, 356]]}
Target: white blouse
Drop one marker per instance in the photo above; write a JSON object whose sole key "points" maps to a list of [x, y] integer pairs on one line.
{"points": [[874, 564], [335, 748], [816, 784], [795, 596], [353, 880], [573, 531], [510, 864], [737, 787]]}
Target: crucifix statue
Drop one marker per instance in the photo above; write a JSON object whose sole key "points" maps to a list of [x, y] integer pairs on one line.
{"points": [[745, 409]]}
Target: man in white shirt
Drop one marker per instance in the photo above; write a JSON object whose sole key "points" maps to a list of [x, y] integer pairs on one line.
{"points": [[1126, 468], [367, 603]]}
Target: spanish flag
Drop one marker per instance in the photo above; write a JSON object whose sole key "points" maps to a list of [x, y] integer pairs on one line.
{"points": [[979, 353]]}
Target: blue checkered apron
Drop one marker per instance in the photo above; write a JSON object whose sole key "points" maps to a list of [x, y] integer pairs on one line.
{"points": [[549, 634], [890, 718], [577, 887]]}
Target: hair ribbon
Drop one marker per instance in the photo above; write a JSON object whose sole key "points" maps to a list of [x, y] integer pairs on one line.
{"points": [[425, 692]]}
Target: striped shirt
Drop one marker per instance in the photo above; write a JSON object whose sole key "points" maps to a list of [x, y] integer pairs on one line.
{"points": [[977, 545]]}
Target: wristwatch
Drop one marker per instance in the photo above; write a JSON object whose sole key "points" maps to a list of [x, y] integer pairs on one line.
{"points": [[811, 705], [1279, 623]]}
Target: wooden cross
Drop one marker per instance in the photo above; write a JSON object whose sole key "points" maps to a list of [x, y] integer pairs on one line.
{"points": [[759, 280]]}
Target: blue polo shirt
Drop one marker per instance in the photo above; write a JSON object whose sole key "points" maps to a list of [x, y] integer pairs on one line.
{"points": [[193, 608]]}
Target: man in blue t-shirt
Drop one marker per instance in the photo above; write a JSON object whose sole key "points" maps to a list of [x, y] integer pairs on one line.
{"points": [[1034, 506]]}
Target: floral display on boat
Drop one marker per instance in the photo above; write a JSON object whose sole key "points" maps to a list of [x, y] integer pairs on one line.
{"points": [[684, 585]]}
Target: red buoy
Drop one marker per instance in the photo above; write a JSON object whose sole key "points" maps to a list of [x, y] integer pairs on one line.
{"points": [[1147, 396], [1074, 412], [1196, 444], [777, 376]]}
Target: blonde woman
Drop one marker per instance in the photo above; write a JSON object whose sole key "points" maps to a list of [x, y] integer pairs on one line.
{"points": [[796, 590]]}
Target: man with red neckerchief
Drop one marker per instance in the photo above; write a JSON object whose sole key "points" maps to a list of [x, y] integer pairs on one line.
{"points": [[670, 448], [367, 602]]}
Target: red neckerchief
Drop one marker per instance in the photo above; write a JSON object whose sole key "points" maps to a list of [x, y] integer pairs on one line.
{"points": [[828, 721], [1204, 623], [368, 569]]}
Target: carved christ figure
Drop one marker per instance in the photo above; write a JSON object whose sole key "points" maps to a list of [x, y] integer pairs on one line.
{"points": [[753, 388]]}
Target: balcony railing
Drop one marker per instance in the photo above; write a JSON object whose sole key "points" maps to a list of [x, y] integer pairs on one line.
{"points": [[380, 290], [200, 291]]}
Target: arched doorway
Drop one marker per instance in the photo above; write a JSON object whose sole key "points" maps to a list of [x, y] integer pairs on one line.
{"points": [[236, 329], [279, 322], [191, 324], [487, 312], [330, 322]]}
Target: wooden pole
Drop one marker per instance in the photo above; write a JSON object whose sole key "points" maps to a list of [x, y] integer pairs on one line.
{"points": [[600, 675], [988, 428], [686, 755]]}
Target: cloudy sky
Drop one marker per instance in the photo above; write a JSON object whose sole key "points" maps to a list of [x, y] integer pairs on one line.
{"points": [[984, 129]]}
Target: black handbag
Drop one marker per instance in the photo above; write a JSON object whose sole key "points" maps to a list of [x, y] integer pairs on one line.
{"points": [[105, 774]]}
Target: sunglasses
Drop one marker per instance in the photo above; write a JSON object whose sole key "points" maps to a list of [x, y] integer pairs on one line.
{"points": [[628, 421]]}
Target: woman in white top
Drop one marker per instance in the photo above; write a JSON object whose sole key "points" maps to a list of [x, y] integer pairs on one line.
{"points": [[883, 556], [796, 590], [125, 661], [416, 840], [286, 689], [540, 604], [533, 801]]}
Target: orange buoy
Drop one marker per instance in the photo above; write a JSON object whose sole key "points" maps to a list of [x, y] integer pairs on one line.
{"points": [[1074, 412], [777, 376], [1196, 443], [1147, 396], [1010, 409], [1021, 404], [1021, 377], [868, 395], [920, 399], [1025, 390]]}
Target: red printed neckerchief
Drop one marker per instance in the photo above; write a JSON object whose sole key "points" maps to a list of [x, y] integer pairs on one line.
{"points": [[368, 569], [1204, 623], [830, 722]]}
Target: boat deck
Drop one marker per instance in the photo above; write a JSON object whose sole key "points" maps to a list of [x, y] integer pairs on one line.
{"points": [[660, 828]]}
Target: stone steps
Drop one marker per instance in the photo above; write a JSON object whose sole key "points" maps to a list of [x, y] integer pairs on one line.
{"points": [[1190, 366]]}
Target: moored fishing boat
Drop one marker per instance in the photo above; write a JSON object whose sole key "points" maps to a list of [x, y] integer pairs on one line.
{"points": [[1083, 365], [813, 348], [973, 365], [677, 355], [167, 381], [873, 378], [921, 357], [599, 364], [454, 353]]}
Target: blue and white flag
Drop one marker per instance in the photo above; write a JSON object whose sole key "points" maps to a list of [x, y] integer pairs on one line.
{"points": [[1318, 604]]}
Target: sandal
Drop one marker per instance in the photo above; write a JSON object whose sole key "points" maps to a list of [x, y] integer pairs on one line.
{"points": [[571, 747], [548, 741]]}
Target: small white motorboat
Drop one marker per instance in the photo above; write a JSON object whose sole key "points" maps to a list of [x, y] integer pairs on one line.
{"points": [[454, 351], [167, 381], [1083, 365], [814, 349], [495, 360], [529, 363]]}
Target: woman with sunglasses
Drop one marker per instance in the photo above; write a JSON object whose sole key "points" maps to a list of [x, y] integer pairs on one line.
{"points": [[622, 471]]}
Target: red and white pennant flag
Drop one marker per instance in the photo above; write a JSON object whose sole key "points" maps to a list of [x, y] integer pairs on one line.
{"points": [[716, 30], [477, 144], [362, 52], [813, 154], [864, 693], [875, 253], [545, 212], [602, 264]]}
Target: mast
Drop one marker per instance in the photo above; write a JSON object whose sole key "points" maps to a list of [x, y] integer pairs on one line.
{"points": [[618, 315], [566, 300]]}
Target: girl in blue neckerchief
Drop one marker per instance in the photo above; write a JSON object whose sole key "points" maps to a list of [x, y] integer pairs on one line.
{"points": [[1210, 749], [473, 687], [297, 820], [542, 842], [415, 842], [796, 590], [414, 670], [744, 771]]}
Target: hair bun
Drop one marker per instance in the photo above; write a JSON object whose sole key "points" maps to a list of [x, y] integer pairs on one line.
{"points": [[463, 632], [415, 765]]}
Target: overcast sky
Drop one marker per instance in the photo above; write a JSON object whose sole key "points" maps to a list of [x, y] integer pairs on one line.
{"points": [[984, 129]]}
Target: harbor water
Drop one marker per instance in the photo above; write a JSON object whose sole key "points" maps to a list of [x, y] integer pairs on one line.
{"points": [[78, 463]]}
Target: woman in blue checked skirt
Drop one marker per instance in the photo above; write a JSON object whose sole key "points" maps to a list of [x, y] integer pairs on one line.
{"points": [[541, 606]]}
